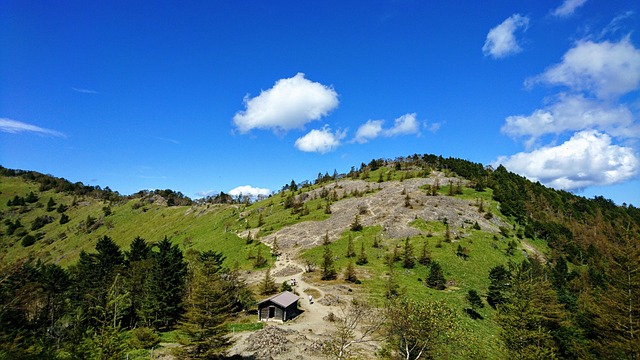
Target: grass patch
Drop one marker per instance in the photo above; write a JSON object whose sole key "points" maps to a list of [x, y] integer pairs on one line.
{"points": [[238, 327]]}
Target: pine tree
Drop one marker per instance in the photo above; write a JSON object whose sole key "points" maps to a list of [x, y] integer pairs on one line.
{"points": [[499, 282], [392, 288], [275, 248], [167, 284], [64, 218], [207, 308], [328, 268], [350, 250], [362, 258], [474, 300], [327, 208], [268, 285], [436, 278], [51, 204], [356, 225], [350, 273], [425, 255], [530, 317], [376, 242], [618, 307], [408, 259], [447, 233], [260, 260]]}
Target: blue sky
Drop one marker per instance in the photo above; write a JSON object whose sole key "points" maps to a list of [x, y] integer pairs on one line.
{"points": [[206, 96]]}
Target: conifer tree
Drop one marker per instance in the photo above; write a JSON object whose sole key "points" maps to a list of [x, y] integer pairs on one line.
{"points": [[436, 278], [350, 273], [260, 260], [356, 225], [51, 204], [425, 255], [530, 316], [376, 242], [207, 307], [167, 284], [328, 268], [362, 257], [350, 250], [275, 248], [408, 259], [268, 285], [499, 282], [392, 288]]}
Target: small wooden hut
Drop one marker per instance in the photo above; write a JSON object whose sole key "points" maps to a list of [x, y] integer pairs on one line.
{"points": [[280, 307]]}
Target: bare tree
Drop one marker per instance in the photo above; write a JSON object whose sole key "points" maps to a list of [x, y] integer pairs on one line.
{"points": [[357, 322]]}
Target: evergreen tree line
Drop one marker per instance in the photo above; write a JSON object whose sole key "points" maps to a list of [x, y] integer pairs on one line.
{"points": [[49, 312], [547, 311]]}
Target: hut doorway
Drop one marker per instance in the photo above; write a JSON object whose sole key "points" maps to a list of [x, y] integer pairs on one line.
{"points": [[272, 311]]}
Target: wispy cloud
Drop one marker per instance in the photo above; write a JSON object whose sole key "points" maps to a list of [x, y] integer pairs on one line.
{"points": [[168, 140], [84, 91], [567, 8], [501, 40], [289, 104], [16, 127], [617, 24]]}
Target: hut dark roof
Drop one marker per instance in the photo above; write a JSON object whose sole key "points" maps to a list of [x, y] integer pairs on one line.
{"points": [[283, 299]]}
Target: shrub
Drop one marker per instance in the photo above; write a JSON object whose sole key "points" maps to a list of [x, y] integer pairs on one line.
{"points": [[28, 240], [143, 338], [41, 221]]}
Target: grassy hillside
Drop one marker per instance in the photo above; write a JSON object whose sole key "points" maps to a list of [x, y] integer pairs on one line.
{"points": [[467, 218], [193, 227]]}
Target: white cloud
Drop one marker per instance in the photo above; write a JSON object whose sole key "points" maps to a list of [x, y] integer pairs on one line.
{"points": [[605, 69], [404, 125], [568, 7], [248, 190], [289, 104], [587, 159], [368, 131], [573, 113], [320, 141], [501, 40], [15, 127]]}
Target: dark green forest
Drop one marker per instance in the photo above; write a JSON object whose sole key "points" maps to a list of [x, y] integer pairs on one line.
{"points": [[582, 301]]}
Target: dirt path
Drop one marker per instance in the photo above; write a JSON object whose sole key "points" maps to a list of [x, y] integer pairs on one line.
{"points": [[301, 337]]}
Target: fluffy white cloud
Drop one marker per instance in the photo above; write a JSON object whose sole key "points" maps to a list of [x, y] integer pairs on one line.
{"points": [[404, 125], [606, 69], [248, 190], [573, 113], [320, 141], [289, 104], [501, 40], [368, 131], [15, 127], [587, 159], [568, 7]]}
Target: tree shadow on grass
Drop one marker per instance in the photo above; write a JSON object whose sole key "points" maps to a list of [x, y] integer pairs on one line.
{"points": [[473, 314]]}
